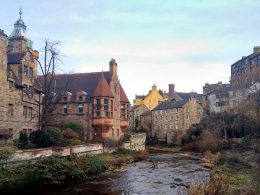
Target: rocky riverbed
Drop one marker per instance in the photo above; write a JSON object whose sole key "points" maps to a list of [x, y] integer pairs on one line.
{"points": [[160, 173]]}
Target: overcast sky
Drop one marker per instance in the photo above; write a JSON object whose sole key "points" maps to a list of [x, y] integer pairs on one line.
{"points": [[187, 43]]}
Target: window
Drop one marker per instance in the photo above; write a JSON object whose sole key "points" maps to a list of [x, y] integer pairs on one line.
{"points": [[30, 92], [177, 117], [98, 107], [31, 73], [25, 70], [65, 99], [10, 110], [80, 108], [25, 111], [111, 114], [165, 111], [161, 118], [187, 116], [65, 109], [30, 112], [117, 132], [177, 110], [106, 108], [24, 90], [156, 118], [80, 98], [176, 126], [122, 111], [171, 117], [166, 118], [11, 85], [113, 132]]}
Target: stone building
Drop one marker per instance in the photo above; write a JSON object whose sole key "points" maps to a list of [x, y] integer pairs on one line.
{"points": [[222, 98], [171, 119], [135, 116], [146, 122], [97, 100], [151, 100], [19, 90], [246, 71]]}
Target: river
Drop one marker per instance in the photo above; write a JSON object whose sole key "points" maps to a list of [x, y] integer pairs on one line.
{"points": [[161, 173]]}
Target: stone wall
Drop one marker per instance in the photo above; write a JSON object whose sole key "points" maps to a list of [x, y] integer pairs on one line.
{"points": [[25, 155], [137, 142]]}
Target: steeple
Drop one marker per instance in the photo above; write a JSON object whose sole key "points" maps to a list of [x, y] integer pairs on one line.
{"points": [[18, 41], [19, 28]]}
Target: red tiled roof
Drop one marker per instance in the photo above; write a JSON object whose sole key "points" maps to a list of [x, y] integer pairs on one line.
{"points": [[102, 88], [123, 97]]}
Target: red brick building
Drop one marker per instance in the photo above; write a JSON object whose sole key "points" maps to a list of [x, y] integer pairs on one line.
{"points": [[97, 100]]}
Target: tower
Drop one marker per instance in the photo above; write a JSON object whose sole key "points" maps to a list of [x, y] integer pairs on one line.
{"points": [[18, 40]]}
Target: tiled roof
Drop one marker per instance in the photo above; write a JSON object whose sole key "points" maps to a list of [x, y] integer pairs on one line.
{"points": [[170, 105], [102, 88], [82, 81], [123, 97], [14, 58]]}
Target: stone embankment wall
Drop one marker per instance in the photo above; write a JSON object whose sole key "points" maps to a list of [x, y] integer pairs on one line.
{"points": [[137, 142]]}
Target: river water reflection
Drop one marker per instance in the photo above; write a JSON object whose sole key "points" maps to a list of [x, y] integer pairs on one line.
{"points": [[161, 173]]}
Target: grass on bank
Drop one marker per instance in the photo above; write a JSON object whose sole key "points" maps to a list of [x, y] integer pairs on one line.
{"points": [[54, 170]]}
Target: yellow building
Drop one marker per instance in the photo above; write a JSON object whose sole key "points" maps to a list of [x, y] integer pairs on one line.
{"points": [[151, 100]]}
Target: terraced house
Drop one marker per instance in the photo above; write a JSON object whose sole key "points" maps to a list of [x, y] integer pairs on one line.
{"points": [[97, 100], [19, 90]]}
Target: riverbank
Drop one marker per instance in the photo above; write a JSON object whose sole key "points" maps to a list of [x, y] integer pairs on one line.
{"points": [[234, 171], [54, 170]]}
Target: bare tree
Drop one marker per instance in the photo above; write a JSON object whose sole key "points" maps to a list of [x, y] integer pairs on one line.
{"points": [[48, 66]]}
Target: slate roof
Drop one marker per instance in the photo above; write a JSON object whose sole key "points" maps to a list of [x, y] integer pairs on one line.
{"points": [[199, 97], [140, 96], [15, 58], [170, 105], [146, 113], [82, 81]]}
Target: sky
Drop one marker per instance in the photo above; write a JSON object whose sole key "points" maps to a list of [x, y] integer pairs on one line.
{"points": [[186, 43]]}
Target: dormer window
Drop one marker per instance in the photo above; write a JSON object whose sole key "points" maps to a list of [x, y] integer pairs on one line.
{"points": [[25, 70], [80, 98]]}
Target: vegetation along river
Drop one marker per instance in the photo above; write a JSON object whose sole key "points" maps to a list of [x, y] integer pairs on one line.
{"points": [[161, 173]]}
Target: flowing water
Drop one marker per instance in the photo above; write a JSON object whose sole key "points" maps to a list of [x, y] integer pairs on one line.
{"points": [[161, 173]]}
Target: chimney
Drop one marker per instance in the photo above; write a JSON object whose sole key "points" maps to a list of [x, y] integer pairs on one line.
{"points": [[113, 66], [171, 90], [154, 87], [256, 49]]}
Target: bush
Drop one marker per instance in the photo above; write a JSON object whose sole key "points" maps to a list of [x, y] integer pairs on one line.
{"points": [[23, 139], [55, 136], [6, 153], [75, 126], [69, 133], [50, 136]]}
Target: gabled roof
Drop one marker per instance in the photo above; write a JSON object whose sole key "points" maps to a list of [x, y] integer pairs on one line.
{"points": [[170, 105], [87, 82], [14, 58], [123, 97], [102, 88]]}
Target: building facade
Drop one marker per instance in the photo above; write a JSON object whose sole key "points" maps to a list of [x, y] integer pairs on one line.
{"points": [[246, 71], [97, 100], [171, 119], [19, 89], [135, 116], [151, 100]]}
